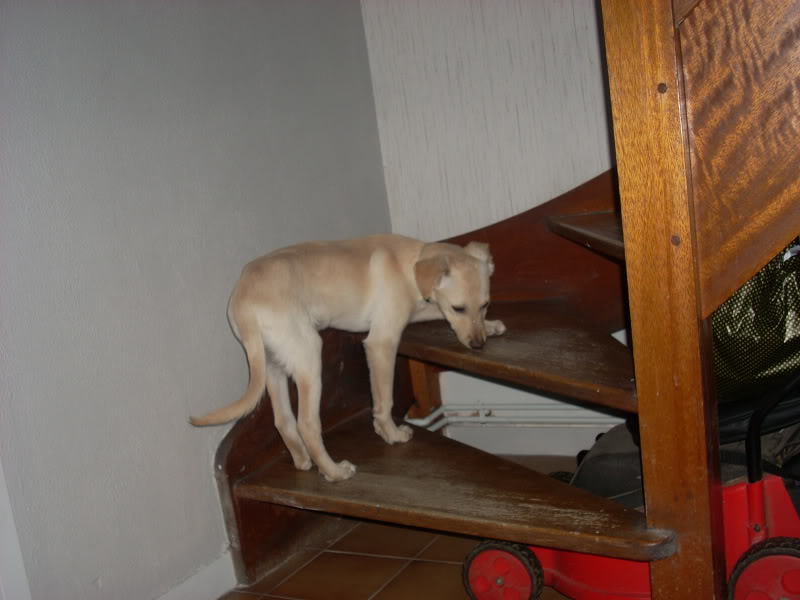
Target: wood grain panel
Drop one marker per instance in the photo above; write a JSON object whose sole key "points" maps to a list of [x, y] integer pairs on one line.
{"points": [[682, 8], [676, 407], [741, 64]]}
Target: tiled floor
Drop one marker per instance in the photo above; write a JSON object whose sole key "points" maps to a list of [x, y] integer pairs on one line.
{"points": [[375, 561]]}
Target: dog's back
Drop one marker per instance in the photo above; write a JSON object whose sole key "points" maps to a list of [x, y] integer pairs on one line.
{"points": [[335, 281]]}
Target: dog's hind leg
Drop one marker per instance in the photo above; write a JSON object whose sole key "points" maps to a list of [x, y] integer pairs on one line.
{"points": [[285, 422], [302, 355]]}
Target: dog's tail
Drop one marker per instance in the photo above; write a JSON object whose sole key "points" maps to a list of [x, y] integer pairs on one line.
{"points": [[257, 359]]}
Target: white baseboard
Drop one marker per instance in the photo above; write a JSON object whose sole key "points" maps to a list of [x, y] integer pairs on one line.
{"points": [[13, 579], [208, 583], [544, 425]]}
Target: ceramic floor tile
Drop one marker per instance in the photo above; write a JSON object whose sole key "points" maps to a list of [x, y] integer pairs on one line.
{"points": [[335, 576], [385, 540], [348, 524], [270, 581], [449, 548], [426, 581]]}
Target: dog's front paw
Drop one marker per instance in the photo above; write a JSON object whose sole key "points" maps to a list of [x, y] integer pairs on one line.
{"points": [[391, 433], [495, 328], [343, 470], [405, 433]]}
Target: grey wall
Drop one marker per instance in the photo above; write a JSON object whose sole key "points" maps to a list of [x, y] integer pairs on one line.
{"points": [[149, 149], [485, 107]]}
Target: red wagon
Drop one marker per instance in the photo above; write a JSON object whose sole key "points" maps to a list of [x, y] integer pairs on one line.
{"points": [[761, 527]]}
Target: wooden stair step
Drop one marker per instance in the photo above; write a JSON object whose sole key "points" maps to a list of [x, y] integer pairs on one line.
{"points": [[438, 483], [600, 231], [545, 347]]}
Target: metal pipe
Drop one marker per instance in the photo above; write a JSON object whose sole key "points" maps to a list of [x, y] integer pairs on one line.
{"points": [[425, 421]]}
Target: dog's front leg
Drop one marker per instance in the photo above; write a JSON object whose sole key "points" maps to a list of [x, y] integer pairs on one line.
{"points": [[381, 347], [495, 328]]}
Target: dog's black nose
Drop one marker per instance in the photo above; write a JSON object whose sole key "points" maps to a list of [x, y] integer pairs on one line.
{"points": [[476, 344]]}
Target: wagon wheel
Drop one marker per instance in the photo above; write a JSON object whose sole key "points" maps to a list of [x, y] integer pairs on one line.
{"points": [[770, 570], [503, 571]]}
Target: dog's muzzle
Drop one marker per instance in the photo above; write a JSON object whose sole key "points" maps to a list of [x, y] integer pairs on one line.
{"points": [[476, 343]]}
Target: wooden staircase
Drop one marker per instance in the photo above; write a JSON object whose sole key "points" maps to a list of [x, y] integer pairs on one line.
{"points": [[554, 343], [547, 347], [560, 303], [600, 231], [438, 483]]}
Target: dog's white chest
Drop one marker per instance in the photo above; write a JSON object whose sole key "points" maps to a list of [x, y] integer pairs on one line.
{"points": [[350, 322]]}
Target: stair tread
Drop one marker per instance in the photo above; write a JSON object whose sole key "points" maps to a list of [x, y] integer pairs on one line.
{"points": [[601, 231], [545, 347], [438, 483]]}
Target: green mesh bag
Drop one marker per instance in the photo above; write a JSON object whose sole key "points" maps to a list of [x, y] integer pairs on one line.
{"points": [[757, 330]]}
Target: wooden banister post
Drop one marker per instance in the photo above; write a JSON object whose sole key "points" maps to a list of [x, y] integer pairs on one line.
{"points": [[677, 410], [425, 388]]}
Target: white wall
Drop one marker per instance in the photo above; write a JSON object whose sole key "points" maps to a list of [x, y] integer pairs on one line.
{"points": [[148, 150], [485, 107]]}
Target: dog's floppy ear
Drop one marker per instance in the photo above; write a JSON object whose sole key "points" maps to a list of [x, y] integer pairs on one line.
{"points": [[429, 273], [480, 251]]}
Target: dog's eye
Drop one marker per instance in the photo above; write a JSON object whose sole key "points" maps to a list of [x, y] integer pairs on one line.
{"points": [[458, 309]]}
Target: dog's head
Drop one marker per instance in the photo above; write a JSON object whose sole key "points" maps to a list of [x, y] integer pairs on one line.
{"points": [[457, 280]]}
